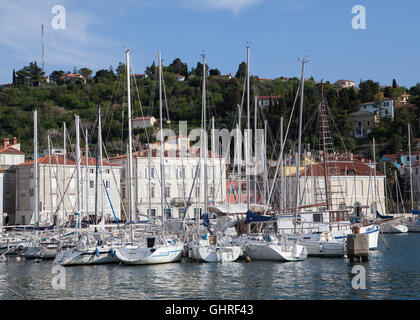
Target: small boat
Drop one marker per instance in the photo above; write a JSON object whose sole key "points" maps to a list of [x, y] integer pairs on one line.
{"points": [[394, 228], [208, 249], [157, 250], [275, 250], [322, 244], [87, 255], [41, 250]]}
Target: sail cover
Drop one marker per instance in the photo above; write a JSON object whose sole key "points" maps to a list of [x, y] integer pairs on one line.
{"points": [[253, 217], [378, 215], [206, 219], [413, 211]]}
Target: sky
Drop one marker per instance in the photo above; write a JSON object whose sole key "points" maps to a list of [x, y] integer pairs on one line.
{"points": [[279, 32]]}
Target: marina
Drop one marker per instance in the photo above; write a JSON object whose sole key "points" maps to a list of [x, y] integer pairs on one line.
{"points": [[391, 274]]}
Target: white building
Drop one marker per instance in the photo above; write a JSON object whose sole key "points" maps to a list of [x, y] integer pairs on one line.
{"points": [[345, 83], [143, 122], [385, 108], [10, 156], [58, 190], [180, 169], [264, 101], [351, 187]]}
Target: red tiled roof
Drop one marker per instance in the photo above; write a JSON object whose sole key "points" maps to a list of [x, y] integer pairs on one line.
{"points": [[59, 159], [11, 150], [268, 97], [340, 168]]}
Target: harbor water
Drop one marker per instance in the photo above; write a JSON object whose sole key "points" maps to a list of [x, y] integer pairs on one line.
{"points": [[390, 274]]}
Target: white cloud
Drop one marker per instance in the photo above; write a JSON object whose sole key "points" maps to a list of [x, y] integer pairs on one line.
{"points": [[231, 5]]}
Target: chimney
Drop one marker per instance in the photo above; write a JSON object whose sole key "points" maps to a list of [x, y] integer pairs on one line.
{"points": [[5, 142], [15, 140]]}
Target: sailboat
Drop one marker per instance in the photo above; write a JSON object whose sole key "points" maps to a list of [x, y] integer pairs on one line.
{"points": [[211, 247], [155, 249], [268, 246], [88, 251], [414, 226]]}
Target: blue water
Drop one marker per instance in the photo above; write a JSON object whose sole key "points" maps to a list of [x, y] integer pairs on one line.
{"points": [[391, 274]]}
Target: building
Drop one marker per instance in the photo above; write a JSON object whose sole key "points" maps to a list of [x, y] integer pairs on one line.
{"points": [[141, 76], [404, 98], [143, 122], [180, 186], [351, 187], [2, 213], [10, 156], [57, 184], [384, 109], [345, 83], [362, 123], [264, 101], [73, 77], [180, 77]]}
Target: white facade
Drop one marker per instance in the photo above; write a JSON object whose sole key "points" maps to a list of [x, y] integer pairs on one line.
{"points": [[384, 109], [179, 171], [61, 200], [143, 122]]}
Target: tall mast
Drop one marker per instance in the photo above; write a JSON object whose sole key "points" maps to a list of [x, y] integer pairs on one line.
{"points": [[299, 142], [255, 149], [87, 174], [281, 164], [42, 35], [49, 165], [324, 120], [265, 180], [162, 167], [213, 155], [205, 142], [78, 207], [36, 168], [248, 126], [64, 168], [239, 155], [411, 168], [101, 164], [130, 143], [374, 165]]}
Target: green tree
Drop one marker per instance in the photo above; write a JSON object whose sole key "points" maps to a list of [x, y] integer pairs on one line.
{"points": [[214, 72], [178, 67], [241, 73], [86, 73], [394, 83], [368, 90]]}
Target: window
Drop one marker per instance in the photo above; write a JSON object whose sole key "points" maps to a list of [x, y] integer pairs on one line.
{"points": [[123, 193], [368, 123], [168, 191], [151, 212], [7, 187], [107, 184], [181, 213], [195, 172], [180, 173], [152, 191], [211, 194], [152, 172], [91, 170], [31, 192], [107, 171], [91, 184]]}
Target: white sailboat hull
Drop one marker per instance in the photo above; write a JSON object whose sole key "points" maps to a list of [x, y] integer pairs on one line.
{"points": [[398, 228], [325, 248], [40, 252], [86, 257], [215, 253], [272, 251], [144, 255]]}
